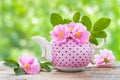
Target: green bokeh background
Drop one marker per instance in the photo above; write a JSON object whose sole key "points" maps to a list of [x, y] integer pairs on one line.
{"points": [[22, 19]]}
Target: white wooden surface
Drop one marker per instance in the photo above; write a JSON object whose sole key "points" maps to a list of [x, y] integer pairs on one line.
{"points": [[92, 73]]}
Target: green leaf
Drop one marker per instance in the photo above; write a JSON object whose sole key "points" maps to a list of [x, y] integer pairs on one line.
{"points": [[56, 19], [101, 24], [19, 71], [93, 40], [99, 34], [87, 22], [76, 17], [48, 63], [11, 63], [45, 66], [67, 20]]}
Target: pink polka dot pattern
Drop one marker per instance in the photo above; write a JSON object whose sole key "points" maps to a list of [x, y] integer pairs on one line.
{"points": [[71, 54]]}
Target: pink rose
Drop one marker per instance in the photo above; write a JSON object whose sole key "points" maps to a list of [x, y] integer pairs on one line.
{"points": [[60, 33], [29, 64], [105, 58], [80, 34]]}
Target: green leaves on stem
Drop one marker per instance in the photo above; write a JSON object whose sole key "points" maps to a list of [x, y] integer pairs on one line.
{"points": [[98, 29], [56, 19], [46, 66], [14, 65]]}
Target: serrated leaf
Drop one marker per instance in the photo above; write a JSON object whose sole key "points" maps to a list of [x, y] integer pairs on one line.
{"points": [[87, 22], [76, 17], [19, 71], [67, 20], [11, 63], [56, 19], [45, 66], [93, 40], [99, 34], [101, 24]]}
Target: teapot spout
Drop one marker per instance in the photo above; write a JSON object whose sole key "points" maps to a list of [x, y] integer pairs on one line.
{"points": [[45, 46]]}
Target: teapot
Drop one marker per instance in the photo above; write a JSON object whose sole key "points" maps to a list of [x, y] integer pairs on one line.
{"points": [[69, 56]]}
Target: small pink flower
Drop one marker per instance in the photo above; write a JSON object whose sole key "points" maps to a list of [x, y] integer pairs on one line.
{"points": [[105, 58], [80, 34], [60, 33], [29, 64]]}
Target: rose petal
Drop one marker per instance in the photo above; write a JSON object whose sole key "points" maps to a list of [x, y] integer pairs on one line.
{"points": [[35, 68]]}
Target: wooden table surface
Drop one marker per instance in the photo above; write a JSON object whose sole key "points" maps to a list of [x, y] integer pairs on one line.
{"points": [[92, 73]]}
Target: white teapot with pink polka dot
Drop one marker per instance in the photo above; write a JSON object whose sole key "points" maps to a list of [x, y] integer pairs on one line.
{"points": [[70, 48]]}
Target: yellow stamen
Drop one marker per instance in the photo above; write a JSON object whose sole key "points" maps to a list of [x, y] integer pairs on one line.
{"points": [[70, 28], [60, 34], [78, 34], [106, 60], [27, 67]]}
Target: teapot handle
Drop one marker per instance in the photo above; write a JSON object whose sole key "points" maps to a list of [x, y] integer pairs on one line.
{"points": [[97, 48], [101, 45]]}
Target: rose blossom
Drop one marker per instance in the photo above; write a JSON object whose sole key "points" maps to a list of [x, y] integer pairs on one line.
{"points": [[29, 64], [80, 33], [105, 58], [60, 33]]}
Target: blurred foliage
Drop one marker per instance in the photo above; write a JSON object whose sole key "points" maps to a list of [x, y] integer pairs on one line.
{"points": [[22, 19]]}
